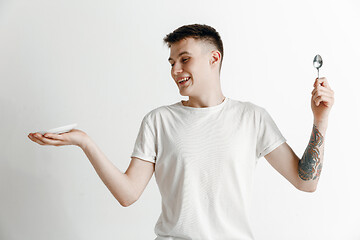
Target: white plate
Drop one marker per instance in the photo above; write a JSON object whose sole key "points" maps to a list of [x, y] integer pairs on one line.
{"points": [[58, 130]]}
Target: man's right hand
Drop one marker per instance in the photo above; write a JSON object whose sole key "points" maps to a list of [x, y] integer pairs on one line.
{"points": [[74, 137]]}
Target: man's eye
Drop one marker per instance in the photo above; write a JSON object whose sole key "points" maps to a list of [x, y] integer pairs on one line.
{"points": [[184, 60]]}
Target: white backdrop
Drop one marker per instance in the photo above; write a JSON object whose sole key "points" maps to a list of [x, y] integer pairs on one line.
{"points": [[103, 65]]}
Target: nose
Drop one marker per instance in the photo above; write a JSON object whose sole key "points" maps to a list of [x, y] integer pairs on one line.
{"points": [[176, 69]]}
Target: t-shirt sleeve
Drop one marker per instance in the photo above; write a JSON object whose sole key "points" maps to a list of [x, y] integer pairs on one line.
{"points": [[269, 136], [145, 144]]}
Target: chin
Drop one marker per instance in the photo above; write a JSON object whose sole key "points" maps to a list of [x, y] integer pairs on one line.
{"points": [[184, 94]]}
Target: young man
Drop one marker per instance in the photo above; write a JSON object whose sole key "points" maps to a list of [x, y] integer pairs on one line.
{"points": [[204, 151]]}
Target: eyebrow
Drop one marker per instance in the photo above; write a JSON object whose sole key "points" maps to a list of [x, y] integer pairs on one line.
{"points": [[184, 52]]}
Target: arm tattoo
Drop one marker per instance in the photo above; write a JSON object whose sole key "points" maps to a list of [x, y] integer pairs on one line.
{"points": [[310, 162]]}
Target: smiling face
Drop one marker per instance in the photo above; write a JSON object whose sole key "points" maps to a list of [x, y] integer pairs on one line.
{"points": [[199, 61]]}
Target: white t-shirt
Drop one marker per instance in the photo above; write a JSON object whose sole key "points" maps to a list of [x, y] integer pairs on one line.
{"points": [[205, 161]]}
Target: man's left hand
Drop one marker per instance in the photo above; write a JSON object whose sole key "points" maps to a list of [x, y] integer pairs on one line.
{"points": [[322, 99]]}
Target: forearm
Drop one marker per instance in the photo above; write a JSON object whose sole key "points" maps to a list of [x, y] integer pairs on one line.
{"points": [[117, 182], [310, 165]]}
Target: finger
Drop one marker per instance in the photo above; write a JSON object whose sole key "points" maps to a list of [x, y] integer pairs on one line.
{"points": [[319, 87], [50, 141], [319, 94], [318, 91], [35, 138], [322, 82], [323, 99], [53, 136], [318, 81]]}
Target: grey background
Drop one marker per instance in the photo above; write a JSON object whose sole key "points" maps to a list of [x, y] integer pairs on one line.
{"points": [[102, 64]]}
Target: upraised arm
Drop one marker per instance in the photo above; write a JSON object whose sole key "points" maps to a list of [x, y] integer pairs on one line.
{"points": [[304, 173]]}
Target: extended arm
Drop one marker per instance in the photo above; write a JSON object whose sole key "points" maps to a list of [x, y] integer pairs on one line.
{"points": [[126, 187]]}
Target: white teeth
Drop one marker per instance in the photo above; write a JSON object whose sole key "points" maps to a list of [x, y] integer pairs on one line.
{"points": [[184, 79]]}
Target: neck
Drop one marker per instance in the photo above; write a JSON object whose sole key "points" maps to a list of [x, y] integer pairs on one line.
{"points": [[204, 101]]}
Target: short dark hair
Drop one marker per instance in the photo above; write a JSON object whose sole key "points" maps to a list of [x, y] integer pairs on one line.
{"points": [[197, 31]]}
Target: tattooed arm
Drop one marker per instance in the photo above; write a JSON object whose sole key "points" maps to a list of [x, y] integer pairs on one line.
{"points": [[310, 165], [304, 173]]}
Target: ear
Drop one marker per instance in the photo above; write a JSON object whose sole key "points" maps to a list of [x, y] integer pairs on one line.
{"points": [[215, 57]]}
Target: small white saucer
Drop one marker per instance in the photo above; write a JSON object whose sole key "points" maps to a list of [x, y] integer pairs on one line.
{"points": [[58, 130]]}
